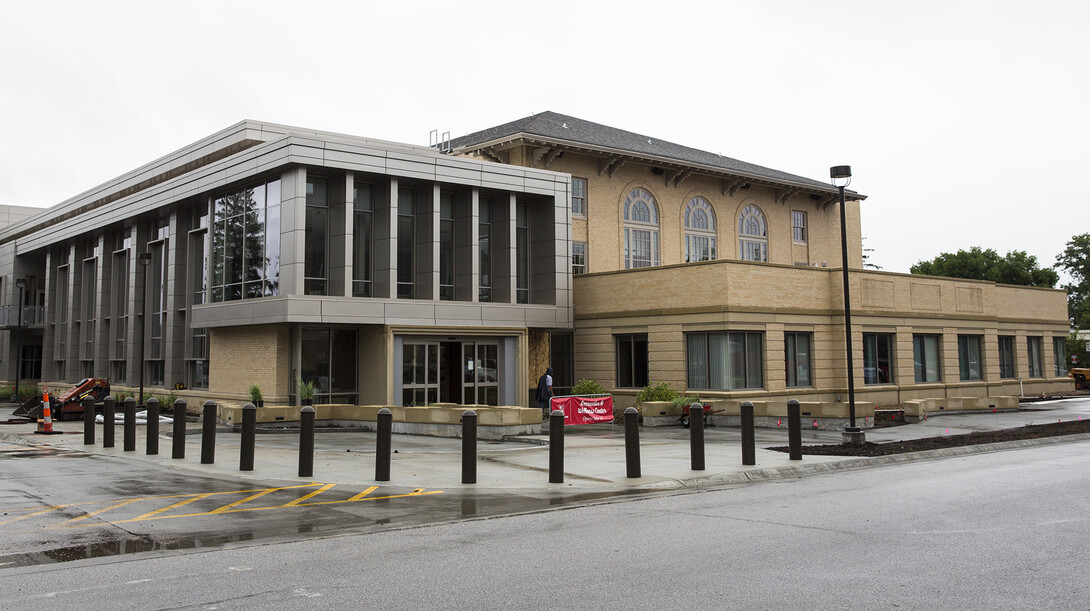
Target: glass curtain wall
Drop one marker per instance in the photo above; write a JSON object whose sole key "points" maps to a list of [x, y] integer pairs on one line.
{"points": [[484, 243], [316, 266], [363, 239], [446, 246], [406, 242], [245, 257]]}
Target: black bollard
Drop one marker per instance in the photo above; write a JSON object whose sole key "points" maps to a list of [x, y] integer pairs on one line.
{"points": [[152, 445], [208, 433], [469, 447], [178, 449], [632, 441], [794, 429], [556, 447], [696, 436], [382, 445], [130, 425], [108, 422], [88, 421], [249, 437], [749, 454], [306, 441]]}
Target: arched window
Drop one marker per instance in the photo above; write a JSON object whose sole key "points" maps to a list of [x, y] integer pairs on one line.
{"points": [[752, 235], [641, 230], [699, 230]]}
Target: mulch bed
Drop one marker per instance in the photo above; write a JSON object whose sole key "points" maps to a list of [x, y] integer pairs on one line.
{"points": [[1032, 431]]}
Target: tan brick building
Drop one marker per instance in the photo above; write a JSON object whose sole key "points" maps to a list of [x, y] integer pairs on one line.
{"points": [[389, 274], [724, 278]]}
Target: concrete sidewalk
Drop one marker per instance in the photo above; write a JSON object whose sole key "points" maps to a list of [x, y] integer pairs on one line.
{"points": [[594, 457]]}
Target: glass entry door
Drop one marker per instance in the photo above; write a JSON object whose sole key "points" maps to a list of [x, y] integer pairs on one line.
{"points": [[430, 373], [480, 373]]}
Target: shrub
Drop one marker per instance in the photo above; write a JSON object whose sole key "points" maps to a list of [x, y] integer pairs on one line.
{"points": [[6, 394], [255, 394], [588, 387], [685, 401], [659, 392]]}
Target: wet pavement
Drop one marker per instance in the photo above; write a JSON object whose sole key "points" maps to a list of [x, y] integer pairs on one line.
{"points": [[61, 500]]}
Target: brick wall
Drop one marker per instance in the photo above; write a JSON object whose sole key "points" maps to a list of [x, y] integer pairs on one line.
{"points": [[241, 356]]}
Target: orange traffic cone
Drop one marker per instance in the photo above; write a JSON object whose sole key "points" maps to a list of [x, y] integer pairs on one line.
{"points": [[47, 417]]}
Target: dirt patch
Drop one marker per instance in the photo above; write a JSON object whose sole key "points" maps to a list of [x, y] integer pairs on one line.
{"points": [[1033, 431]]}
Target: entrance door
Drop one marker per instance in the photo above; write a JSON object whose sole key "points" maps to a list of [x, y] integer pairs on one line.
{"points": [[480, 373], [464, 372]]}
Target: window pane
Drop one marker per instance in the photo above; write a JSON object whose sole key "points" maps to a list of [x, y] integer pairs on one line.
{"points": [[697, 352]]}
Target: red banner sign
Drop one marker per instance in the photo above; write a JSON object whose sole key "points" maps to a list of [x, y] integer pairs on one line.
{"points": [[584, 410]]}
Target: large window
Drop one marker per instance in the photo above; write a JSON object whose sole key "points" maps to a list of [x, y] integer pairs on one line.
{"points": [[925, 353], [329, 361], [969, 357], [446, 246], [522, 252], [579, 196], [484, 244], [316, 267], [406, 242], [362, 238], [752, 235], [1006, 356], [641, 225], [120, 307], [245, 258], [1034, 346], [797, 349], [699, 230], [632, 361], [578, 257], [1059, 351], [725, 361], [877, 358]]}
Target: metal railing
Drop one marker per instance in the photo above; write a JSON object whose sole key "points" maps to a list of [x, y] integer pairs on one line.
{"points": [[33, 316]]}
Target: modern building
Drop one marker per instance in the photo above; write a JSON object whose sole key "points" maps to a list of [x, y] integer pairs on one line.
{"points": [[264, 254], [723, 278], [388, 274]]}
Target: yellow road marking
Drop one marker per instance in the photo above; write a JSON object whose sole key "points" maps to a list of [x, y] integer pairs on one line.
{"points": [[363, 494], [308, 496], [31, 515], [230, 506], [165, 496], [175, 505], [95, 513], [233, 507]]}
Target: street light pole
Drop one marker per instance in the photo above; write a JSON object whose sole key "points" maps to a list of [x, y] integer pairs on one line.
{"points": [[21, 282], [144, 258], [842, 177]]}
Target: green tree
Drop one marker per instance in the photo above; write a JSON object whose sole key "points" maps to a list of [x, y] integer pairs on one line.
{"points": [[1017, 267], [1075, 260]]}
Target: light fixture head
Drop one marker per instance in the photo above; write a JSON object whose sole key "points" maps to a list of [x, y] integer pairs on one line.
{"points": [[841, 175], [20, 282], [144, 258]]}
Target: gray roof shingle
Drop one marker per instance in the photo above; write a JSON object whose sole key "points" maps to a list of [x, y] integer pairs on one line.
{"points": [[553, 126]]}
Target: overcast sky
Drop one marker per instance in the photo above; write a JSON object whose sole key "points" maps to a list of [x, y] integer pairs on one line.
{"points": [[964, 122]]}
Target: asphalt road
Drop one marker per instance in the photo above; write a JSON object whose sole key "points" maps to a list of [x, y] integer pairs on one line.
{"points": [[1005, 530]]}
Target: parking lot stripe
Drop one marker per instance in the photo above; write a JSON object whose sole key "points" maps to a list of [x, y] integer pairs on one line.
{"points": [[32, 514], [196, 497], [230, 506], [67, 524], [363, 494], [308, 496]]}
